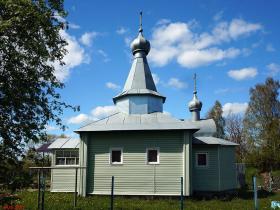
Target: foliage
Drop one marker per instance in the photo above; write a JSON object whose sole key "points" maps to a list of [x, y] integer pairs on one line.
{"points": [[30, 44], [234, 132], [249, 173], [262, 125], [13, 176], [15, 172], [8, 200], [216, 113], [61, 201]]}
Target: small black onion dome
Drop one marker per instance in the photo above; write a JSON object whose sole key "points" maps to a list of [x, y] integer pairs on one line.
{"points": [[195, 104], [140, 44]]}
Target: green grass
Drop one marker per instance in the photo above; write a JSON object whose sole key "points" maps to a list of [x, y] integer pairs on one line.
{"points": [[61, 201], [250, 172], [276, 173]]}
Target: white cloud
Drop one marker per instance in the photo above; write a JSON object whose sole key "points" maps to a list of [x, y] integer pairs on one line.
{"points": [[273, 69], [74, 26], [160, 57], [87, 38], [51, 128], [163, 21], [80, 118], [172, 33], [122, 30], [195, 58], [176, 83], [156, 78], [239, 27], [127, 41], [75, 56], [178, 41], [269, 48], [246, 51], [97, 113], [222, 91], [234, 108], [103, 111], [218, 16], [112, 86], [104, 55], [241, 74]]}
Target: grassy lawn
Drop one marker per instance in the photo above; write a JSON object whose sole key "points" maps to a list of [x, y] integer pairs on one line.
{"points": [[61, 201]]}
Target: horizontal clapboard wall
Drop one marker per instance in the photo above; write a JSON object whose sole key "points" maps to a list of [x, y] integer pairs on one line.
{"points": [[206, 178], [135, 176], [63, 180]]}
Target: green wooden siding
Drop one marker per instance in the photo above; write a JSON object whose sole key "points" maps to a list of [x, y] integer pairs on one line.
{"points": [[63, 180], [227, 166], [206, 179], [134, 176]]}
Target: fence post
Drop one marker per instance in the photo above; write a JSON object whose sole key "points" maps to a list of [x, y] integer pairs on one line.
{"points": [[255, 193], [75, 190], [39, 188], [270, 182], [182, 194], [112, 194], [43, 191]]}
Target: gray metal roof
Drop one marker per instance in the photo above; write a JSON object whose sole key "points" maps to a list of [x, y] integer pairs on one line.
{"points": [[154, 121], [65, 143], [139, 91], [212, 141], [139, 80], [207, 127], [140, 76]]}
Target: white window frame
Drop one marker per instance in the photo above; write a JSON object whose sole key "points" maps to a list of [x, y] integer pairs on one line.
{"points": [[110, 155], [207, 159], [158, 156], [65, 161]]}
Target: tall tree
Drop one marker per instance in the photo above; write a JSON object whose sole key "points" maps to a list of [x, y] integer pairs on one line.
{"points": [[30, 43], [262, 124], [216, 113], [234, 133]]}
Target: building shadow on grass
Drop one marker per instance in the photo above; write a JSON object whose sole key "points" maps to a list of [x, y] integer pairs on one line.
{"points": [[230, 195]]}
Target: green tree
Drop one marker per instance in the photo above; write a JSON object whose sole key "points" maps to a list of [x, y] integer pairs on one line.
{"points": [[216, 113], [30, 43], [234, 132], [262, 125]]}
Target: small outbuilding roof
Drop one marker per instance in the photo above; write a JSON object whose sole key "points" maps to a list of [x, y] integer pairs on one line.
{"points": [[44, 147], [65, 143], [212, 140]]}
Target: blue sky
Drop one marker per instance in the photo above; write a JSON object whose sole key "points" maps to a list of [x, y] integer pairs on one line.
{"points": [[230, 45]]}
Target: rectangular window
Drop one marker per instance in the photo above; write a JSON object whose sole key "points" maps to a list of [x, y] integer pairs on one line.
{"points": [[67, 157], [116, 156], [152, 156], [202, 159], [60, 161], [70, 161]]}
